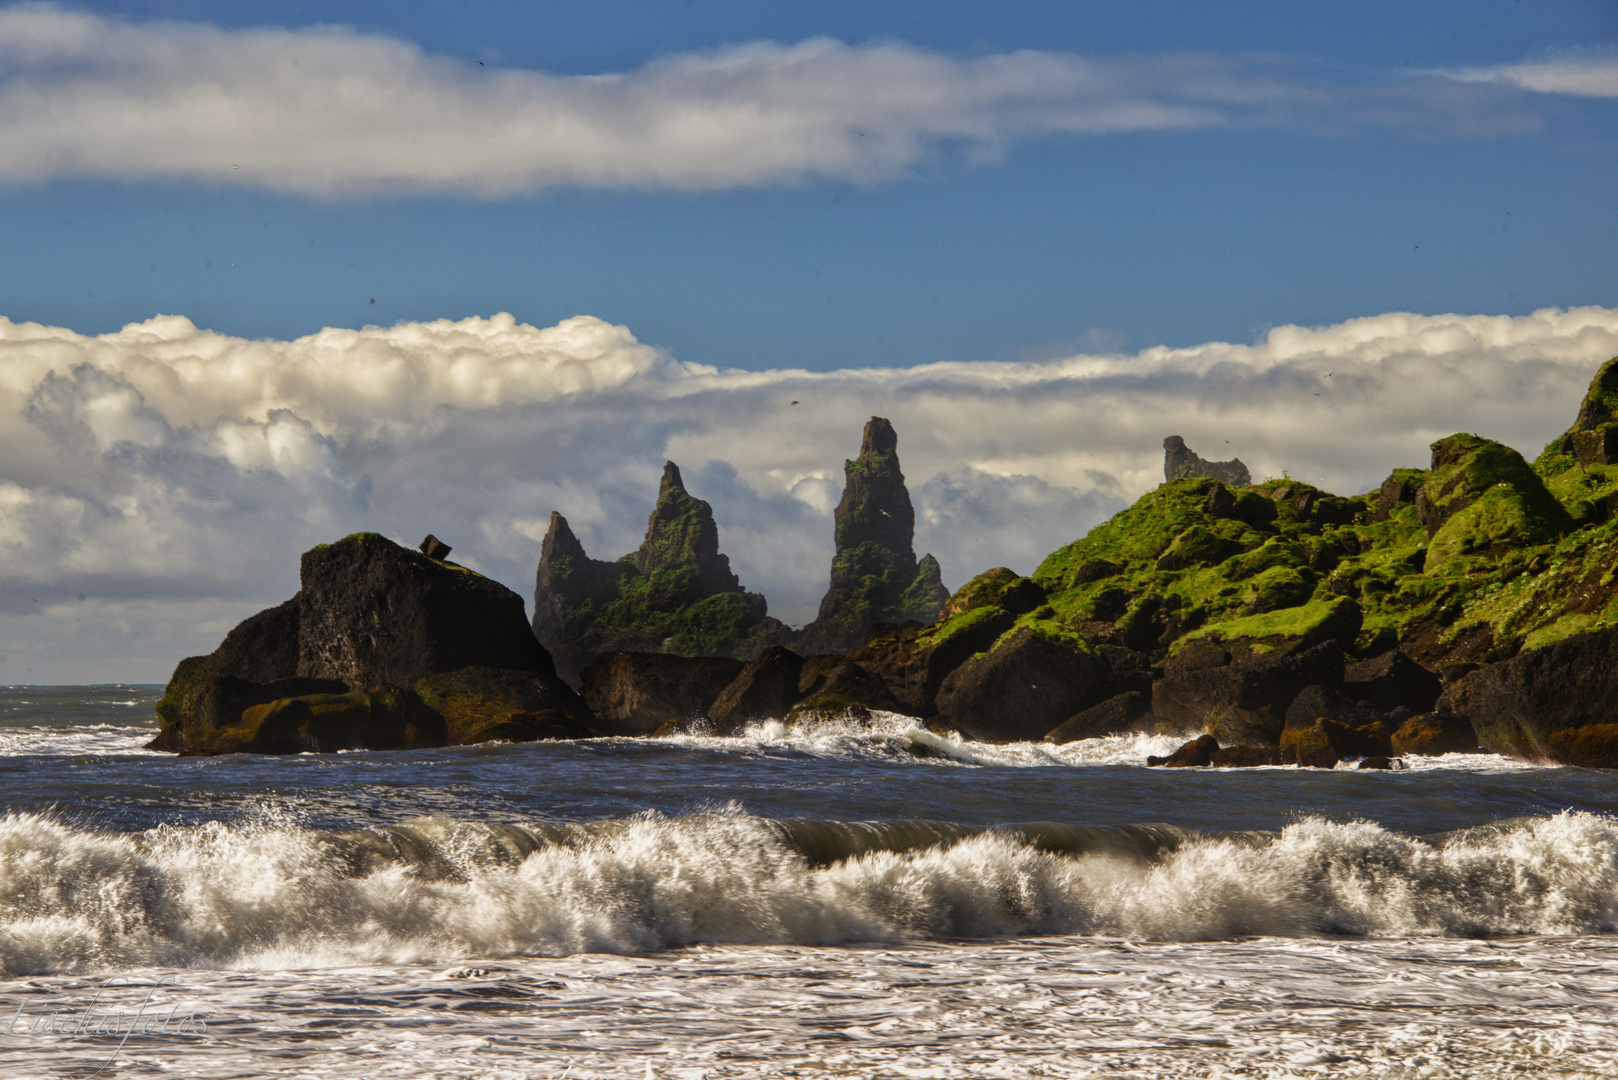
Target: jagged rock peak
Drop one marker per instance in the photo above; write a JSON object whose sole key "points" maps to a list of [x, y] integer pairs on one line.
{"points": [[1593, 438], [875, 577], [875, 507], [681, 535], [1180, 462]]}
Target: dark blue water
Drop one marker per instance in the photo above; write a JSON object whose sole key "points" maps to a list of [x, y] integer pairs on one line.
{"points": [[72, 752]]}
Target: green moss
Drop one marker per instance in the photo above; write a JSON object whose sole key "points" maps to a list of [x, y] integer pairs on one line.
{"points": [[1320, 620], [982, 591], [1279, 587], [941, 632]]}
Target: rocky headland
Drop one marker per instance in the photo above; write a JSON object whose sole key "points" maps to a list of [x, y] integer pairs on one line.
{"points": [[1468, 605]]}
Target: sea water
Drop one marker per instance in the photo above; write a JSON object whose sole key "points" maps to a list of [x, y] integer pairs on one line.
{"points": [[842, 900]]}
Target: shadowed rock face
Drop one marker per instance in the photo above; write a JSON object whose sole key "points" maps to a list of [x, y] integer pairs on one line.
{"points": [[676, 594], [1180, 462], [351, 662], [875, 576]]}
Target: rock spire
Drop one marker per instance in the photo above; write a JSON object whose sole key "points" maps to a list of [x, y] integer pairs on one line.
{"points": [[875, 576]]}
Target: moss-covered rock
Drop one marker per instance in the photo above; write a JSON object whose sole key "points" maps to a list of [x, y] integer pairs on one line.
{"points": [[875, 576], [479, 704], [676, 594], [376, 719]]}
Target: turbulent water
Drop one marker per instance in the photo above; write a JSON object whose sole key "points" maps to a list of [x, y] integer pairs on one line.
{"points": [[835, 901]]}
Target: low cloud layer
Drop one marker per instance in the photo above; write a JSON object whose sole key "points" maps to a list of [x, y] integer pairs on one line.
{"points": [[158, 484], [327, 112]]}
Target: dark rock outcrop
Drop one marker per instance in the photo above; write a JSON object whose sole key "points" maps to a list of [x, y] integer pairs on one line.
{"points": [[676, 594], [1432, 734], [875, 576], [1316, 701], [1116, 715], [1022, 688], [640, 693], [483, 703], [1390, 681], [763, 690], [374, 613], [375, 719], [1557, 703], [335, 667], [1593, 438], [1180, 462], [1198, 753], [1245, 701]]}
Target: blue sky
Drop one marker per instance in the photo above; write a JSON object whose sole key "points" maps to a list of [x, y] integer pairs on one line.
{"points": [[273, 273], [1121, 239]]}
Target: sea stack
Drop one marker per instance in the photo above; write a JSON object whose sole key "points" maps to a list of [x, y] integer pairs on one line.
{"points": [[875, 577], [676, 594], [1180, 462]]}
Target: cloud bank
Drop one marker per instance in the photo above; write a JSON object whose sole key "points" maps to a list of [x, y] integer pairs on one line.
{"points": [[326, 111], [157, 484]]}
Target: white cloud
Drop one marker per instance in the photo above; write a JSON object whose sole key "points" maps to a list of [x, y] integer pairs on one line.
{"points": [[172, 475], [327, 111], [1582, 73]]}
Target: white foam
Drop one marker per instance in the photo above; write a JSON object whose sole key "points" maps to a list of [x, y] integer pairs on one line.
{"points": [[267, 894]]}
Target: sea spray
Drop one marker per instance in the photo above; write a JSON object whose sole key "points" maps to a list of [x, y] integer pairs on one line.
{"points": [[269, 893]]}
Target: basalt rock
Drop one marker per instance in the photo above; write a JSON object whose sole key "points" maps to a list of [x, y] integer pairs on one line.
{"points": [[1180, 462], [338, 661], [875, 576], [676, 594], [640, 693], [763, 690], [1245, 701], [1198, 753], [1390, 681], [1432, 734], [479, 704], [1116, 715], [1556, 703], [377, 719], [374, 613], [1024, 686]]}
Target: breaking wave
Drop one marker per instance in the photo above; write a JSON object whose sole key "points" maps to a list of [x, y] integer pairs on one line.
{"points": [[269, 893]]}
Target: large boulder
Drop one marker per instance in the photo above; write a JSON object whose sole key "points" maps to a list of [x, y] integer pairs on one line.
{"points": [[372, 619], [1390, 681], [1432, 734], [1116, 715], [1245, 700], [875, 576], [377, 719], [634, 693], [1557, 703], [846, 690], [374, 613], [1024, 686], [914, 665], [763, 690], [1480, 499], [480, 704]]}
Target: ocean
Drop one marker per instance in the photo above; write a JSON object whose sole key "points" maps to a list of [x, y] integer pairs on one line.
{"points": [[838, 901]]}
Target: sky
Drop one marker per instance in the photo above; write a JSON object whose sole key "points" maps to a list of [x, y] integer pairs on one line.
{"points": [[273, 273]]}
